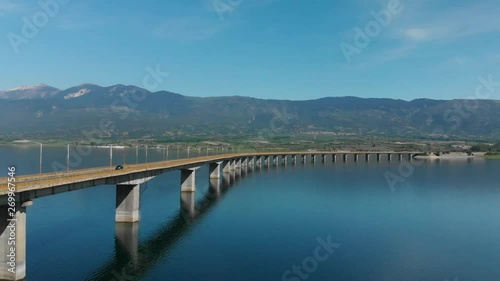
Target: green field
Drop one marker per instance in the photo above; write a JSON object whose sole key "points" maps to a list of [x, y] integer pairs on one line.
{"points": [[492, 156]]}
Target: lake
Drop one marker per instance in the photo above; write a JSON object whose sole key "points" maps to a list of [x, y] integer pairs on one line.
{"points": [[331, 221]]}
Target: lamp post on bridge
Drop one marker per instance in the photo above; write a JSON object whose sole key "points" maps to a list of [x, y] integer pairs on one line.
{"points": [[67, 158], [136, 154], [111, 155], [41, 155]]}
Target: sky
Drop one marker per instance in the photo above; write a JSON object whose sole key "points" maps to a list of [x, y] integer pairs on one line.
{"points": [[274, 49]]}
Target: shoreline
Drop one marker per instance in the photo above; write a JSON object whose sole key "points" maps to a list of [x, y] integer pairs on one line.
{"points": [[455, 156]]}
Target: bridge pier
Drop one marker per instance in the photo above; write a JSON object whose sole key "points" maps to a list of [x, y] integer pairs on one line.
{"points": [[356, 157], [7, 230], [215, 170], [400, 156], [313, 158], [226, 164], [274, 160], [244, 162], [367, 157], [378, 157], [259, 161], [127, 202], [334, 157], [389, 157], [188, 179], [237, 163], [251, 161], [344, 157]]}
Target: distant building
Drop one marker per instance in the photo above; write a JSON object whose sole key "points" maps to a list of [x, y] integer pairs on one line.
{"points": [[462, 147]]}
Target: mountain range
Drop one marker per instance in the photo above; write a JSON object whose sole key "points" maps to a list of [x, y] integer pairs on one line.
{"points": [[119, 110]]}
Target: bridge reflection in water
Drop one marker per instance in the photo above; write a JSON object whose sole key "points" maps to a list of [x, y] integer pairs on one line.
{"points": [[132, 260]]}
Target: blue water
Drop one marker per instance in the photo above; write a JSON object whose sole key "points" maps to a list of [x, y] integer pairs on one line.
{"points": [[441, 223]]}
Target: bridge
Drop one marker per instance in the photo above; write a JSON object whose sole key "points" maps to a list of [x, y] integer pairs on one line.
{"points": [[128, 182]]}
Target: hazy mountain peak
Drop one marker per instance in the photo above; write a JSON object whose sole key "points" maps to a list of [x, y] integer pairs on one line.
{"points": [[87, 85], [29, 92], [27, 87]]}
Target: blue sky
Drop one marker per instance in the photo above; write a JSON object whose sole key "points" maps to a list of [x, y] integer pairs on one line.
{"points": [[283, 49]]}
